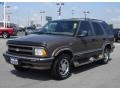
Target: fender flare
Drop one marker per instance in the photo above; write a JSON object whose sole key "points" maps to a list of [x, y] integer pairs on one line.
{"points": [[58, 51]]}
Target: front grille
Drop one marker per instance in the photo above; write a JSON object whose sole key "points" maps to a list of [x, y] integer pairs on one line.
{"points": [[20, 49]]}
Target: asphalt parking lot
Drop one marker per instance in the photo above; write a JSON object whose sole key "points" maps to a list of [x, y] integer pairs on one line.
{"points": [[92, 75]]}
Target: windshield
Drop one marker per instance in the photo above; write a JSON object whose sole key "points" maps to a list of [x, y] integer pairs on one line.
{"points": [[60, 28]]}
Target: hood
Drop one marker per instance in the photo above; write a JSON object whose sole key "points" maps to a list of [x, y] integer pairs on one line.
{"points": [[38, 40]]}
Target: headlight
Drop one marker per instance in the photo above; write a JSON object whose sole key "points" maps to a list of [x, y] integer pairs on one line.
{"points": [[40, 52]]}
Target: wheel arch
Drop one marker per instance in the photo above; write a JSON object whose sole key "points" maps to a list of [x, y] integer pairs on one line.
{"points": [[4, 32], [107, 45], [61, 51]]}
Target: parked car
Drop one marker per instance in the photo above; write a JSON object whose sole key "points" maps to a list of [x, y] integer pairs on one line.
{"points": [[61, 45], [29, 30], [21, 29], [7, 32], [10, 30], [116, 34]]}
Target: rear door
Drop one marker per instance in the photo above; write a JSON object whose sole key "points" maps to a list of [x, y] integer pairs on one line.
{"points": [[99, 35], [109, 37]]}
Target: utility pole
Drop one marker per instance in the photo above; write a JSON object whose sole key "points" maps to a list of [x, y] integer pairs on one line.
{"points": [[85, 13], [42, 14], [59, 10]]}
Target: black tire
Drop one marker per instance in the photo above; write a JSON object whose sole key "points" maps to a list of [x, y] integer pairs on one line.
{"points": [[26, 34], [106, 56], [58, 71], [5, 35], [116, 40], [20, 69]]}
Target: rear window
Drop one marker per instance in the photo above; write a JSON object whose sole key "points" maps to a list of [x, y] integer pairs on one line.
{"points": [[108, 30], [85, 25]]}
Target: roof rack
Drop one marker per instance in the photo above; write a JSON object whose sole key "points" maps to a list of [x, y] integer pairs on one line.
{"points": [[97, 20], [89, 19]]}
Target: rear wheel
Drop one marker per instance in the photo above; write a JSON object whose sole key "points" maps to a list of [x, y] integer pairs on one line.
{"points": [[62, 67], [106, 56], [20, 69], [26, 33], [5, 35], [116, 40]]}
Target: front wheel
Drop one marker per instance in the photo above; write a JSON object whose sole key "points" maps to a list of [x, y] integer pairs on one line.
{"points": [[106, 56], [62, 67]]}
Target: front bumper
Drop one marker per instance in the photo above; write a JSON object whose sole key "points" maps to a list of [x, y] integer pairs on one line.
{"points": [[30, 62]]}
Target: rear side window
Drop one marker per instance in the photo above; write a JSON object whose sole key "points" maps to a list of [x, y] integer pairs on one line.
{"points": [[108, 30], [85, 25], [97, 28]]}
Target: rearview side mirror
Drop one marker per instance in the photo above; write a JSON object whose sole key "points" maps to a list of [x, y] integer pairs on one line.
{"points": [[83, 33]]}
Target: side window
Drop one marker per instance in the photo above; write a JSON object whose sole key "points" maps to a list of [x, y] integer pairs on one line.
{"points": [[97, 28], [108, 30], [51, 27], [85, 25]]}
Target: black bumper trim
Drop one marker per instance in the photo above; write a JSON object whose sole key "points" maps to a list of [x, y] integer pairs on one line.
{"points": [[42, 63], [40, 59]]}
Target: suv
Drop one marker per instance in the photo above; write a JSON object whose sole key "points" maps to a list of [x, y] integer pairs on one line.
{"points": [[61, 45], [116, 34]]}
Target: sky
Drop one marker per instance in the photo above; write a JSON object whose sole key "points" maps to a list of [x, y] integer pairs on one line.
{"points": [[23, 12]]}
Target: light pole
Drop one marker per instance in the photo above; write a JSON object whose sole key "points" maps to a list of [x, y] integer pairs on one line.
{"points": [[28, 22], [59, 10], [73, 12], [42, 12], [6, 15], [85, 13]]}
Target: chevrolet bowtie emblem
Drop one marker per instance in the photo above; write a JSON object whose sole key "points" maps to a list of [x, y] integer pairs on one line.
{"points": [[17, 50]]}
